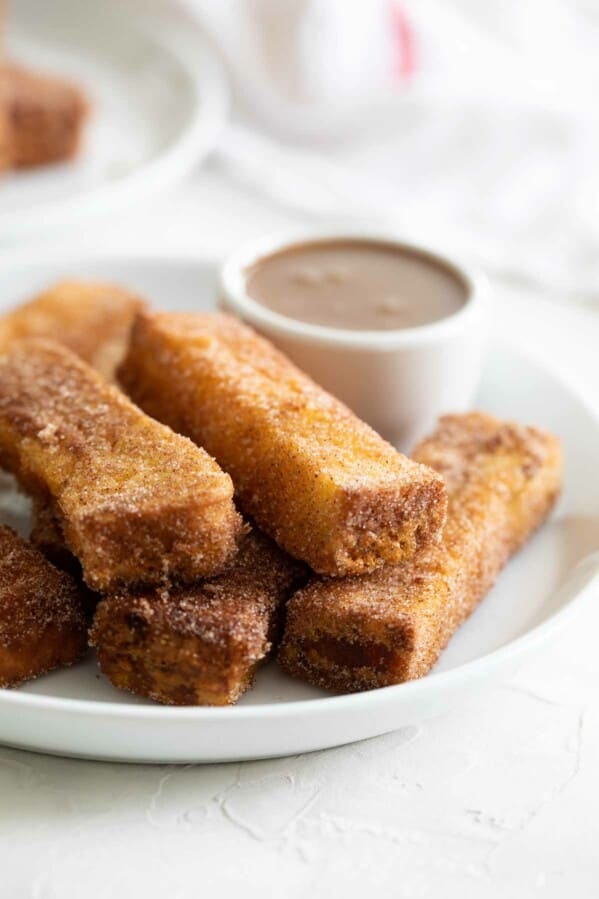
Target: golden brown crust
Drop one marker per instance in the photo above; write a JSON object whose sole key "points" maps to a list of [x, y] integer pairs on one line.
{"points": [[42, 625], [198, 645], [322, 483], [391, 626], [92, 319], [134, 501], [45, 116]]}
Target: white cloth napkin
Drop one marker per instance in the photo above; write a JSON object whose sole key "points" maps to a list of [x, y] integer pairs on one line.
{"points": [[471, 124]]}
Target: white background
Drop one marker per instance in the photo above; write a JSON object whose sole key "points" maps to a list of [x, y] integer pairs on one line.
{"points": [[499, 799]]}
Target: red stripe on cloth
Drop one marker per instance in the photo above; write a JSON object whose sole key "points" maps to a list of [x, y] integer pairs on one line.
{"points": [[403, 41]]}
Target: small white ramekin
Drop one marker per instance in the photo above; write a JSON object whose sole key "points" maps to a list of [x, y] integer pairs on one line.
{"points": [[399, 381]]}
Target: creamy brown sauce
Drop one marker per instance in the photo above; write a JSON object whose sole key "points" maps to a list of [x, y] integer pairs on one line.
{"points": [[356, 284]]}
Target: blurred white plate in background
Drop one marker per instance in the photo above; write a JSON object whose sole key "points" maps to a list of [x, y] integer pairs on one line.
{"points": [[77, 712], [159, 101]]}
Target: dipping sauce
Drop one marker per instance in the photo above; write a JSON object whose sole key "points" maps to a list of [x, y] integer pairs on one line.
{"points": [[356, 284]]}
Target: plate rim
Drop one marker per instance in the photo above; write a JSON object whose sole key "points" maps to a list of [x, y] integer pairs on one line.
{"points": [[580, 581], [211, 101]]}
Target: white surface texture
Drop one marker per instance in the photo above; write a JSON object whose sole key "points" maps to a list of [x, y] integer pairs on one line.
{"points": [[499, 799]]}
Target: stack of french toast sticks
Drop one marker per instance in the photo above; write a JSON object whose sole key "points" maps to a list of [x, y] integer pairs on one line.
{"points": [[200, 504]]}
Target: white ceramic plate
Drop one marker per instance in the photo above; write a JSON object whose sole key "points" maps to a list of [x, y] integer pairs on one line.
{"points": [[159, 102], [77, 712]]}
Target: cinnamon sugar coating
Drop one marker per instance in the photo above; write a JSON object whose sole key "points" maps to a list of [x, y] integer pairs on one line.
{"points": [[45, 116], [91, 319], [314, 477], [391, 626], [42, 625], [198, 645], [134, 501]]}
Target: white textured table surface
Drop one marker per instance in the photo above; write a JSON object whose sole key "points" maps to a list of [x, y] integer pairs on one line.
{"points": [[498, 799]]}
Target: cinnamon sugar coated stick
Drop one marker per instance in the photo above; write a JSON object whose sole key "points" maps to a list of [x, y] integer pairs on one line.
{"points": [[314, 477], [42, 624], [198, 645], [45, 116], [134, 501], [391, 626], [5, 138], [92, 319]]}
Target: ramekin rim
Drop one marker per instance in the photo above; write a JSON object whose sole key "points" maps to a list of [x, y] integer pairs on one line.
{"points": [[233, 294]]}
